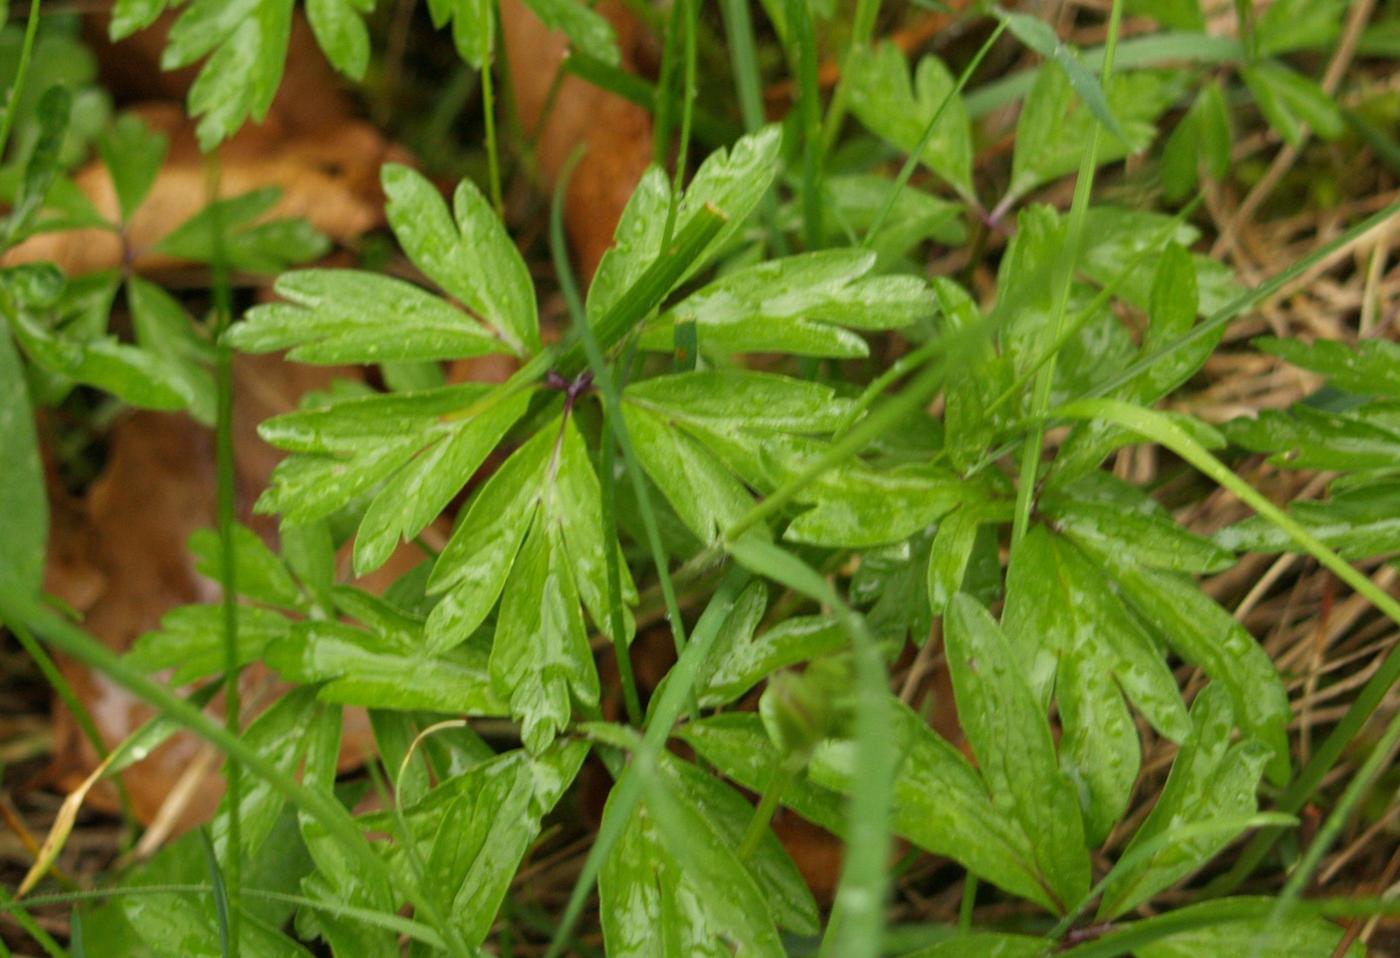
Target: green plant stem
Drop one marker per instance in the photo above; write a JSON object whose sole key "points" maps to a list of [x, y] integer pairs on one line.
{"points": [[862, 29], [804, 54], [709, 129], [81, 715], [493, 157], [1156, 49], [969, 903], [224, 466], [738, 25], [683, 19], [767, 804], [912, 161], [1100, 300], [743, 57], [26, 921], [390, 922], [26, 50], [664, 104], [1064, 276]]}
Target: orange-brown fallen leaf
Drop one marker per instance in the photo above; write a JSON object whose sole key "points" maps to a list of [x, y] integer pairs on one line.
{"points": [[615, 133], [329, 176]]}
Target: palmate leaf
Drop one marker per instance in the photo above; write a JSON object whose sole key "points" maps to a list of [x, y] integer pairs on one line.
{"points": [[246, 45], [802, 305], [940, 804], [1359, 522], [422, 447], [1210, 780], [351, 316], [473, 830], [533, 534], [885, 101], [733, 180], [337, 878], [1053, 128], [1207, 636], [673, 884], [1010, 735], [1073, 634], [702, 436]]}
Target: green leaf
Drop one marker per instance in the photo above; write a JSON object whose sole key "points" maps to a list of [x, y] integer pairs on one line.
{"points": [[52, 113], [353, 442], [419, 492], [1201, 139], [1358, 523], [735, 399], [1178, 14], [349, 316], [983, 944], [728, 815], [1040, 37], [540, 660], [705, 495], [672, 885], [229, 231], [248, 40], [336, 878], [1074, 635], [473, 830], [1288, 25], [577, 504], [1149, 539], [1010, 735], [940, 803], [132, 153], [1051, 132], [952, 551], [1367, 437], [135, 376], [884, 100], [857, 200], [801, 305], [1210, 780], [1290, 101], [259, 573], [1369, 368], [473, 27], [164, 329], [587, 30], [473, 566], [1207, 636], [362, 668], [1258, 937], [191, 640], [129, 16], [857, 506], [741, 660], [468, 253], [341, 33], [733, 181], [278, 734], [23, 502]]}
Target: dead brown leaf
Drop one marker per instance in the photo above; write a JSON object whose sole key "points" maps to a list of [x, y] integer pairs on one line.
{"points": [[615, 133]]}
